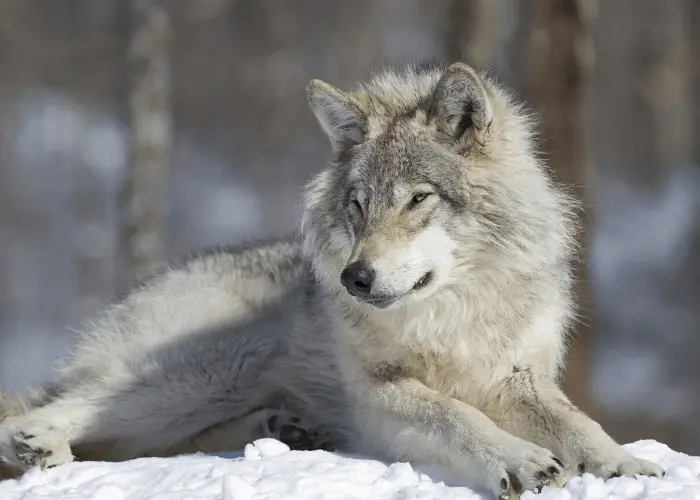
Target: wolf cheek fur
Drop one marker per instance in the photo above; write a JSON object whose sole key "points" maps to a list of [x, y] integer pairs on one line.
{"points": [[428, 302]]}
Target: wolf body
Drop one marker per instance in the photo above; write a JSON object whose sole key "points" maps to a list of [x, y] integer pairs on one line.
{"points": [[421, 315]]}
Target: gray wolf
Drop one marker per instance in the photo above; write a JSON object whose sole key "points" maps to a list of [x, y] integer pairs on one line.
{"points": [[421, 315]]}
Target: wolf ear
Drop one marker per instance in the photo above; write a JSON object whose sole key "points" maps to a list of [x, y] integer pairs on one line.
{"points": [[338, 113], [461, 102]]}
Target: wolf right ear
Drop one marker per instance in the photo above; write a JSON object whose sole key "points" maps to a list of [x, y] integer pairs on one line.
{"points": [[338, 113], [461, 101]]}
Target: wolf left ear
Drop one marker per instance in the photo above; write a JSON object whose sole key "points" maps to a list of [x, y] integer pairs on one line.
{"points": [[339, 114], [461, 101]]}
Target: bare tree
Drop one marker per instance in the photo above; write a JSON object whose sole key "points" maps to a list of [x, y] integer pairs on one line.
{"points": [[693, 8], [145, 195], [561, 56], [694, 22]]}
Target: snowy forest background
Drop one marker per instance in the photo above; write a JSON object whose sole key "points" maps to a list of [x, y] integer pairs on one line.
{"points": [[136, 130]]}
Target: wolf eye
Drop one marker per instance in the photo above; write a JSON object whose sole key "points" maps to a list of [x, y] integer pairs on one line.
{"points": [[418, 197], [355, 206]]}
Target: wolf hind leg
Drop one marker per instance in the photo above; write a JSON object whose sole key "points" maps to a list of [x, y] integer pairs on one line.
{"points": [[168, 395], [294, 430]]}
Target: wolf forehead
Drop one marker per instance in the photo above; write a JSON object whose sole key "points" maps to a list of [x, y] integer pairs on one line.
{"points": [[388, 105], [397, 93], [384, 132]]}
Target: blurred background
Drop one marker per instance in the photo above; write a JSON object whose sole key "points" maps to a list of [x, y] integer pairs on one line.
{"points": [[133, 131]]}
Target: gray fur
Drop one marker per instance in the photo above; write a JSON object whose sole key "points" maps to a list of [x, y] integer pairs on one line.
{"points": [[452, 356]]}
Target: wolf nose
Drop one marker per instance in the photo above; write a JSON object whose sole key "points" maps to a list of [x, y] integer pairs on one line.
{"points": [[357, 278]]}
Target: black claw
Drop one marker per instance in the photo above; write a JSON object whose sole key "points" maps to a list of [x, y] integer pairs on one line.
{"points": [[553, 470], [542, 475], [581, 468], [515, 482], [504, 483], [614, 474], [559, 462]]}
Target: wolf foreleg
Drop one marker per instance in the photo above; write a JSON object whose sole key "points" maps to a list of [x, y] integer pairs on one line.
{"points": [[409, 421], [534, 408]]}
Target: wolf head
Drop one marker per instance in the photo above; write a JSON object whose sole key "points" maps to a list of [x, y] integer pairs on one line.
{"points": [[434, 185]]}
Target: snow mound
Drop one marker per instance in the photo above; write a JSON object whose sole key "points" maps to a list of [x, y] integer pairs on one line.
{"points": [[268, 470]]}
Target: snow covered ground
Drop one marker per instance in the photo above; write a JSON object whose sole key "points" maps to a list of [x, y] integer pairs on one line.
{"points": [[267, 470]]}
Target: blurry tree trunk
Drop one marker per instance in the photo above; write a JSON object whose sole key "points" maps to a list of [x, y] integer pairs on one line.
{"points": [[694, 91], [693, 7], [472, 31], [560, 57], [642, 73], [145, 194], [640, 128]]}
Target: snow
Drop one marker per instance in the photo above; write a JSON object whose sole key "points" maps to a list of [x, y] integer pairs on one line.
{"points": [[268, 470]]}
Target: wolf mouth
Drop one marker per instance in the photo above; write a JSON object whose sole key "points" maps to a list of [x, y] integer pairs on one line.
{"points": [[384, 301]]}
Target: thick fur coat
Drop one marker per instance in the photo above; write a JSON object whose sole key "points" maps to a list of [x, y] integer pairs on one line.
{"points": [[422, 315]]}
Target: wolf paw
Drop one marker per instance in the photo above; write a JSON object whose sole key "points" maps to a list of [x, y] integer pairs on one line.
{"points": [[526, 467], [33, 444], [620, 464], [298, 434]]}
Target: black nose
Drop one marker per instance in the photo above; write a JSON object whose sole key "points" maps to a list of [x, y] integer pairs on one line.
{"points": [[357, 278]]}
